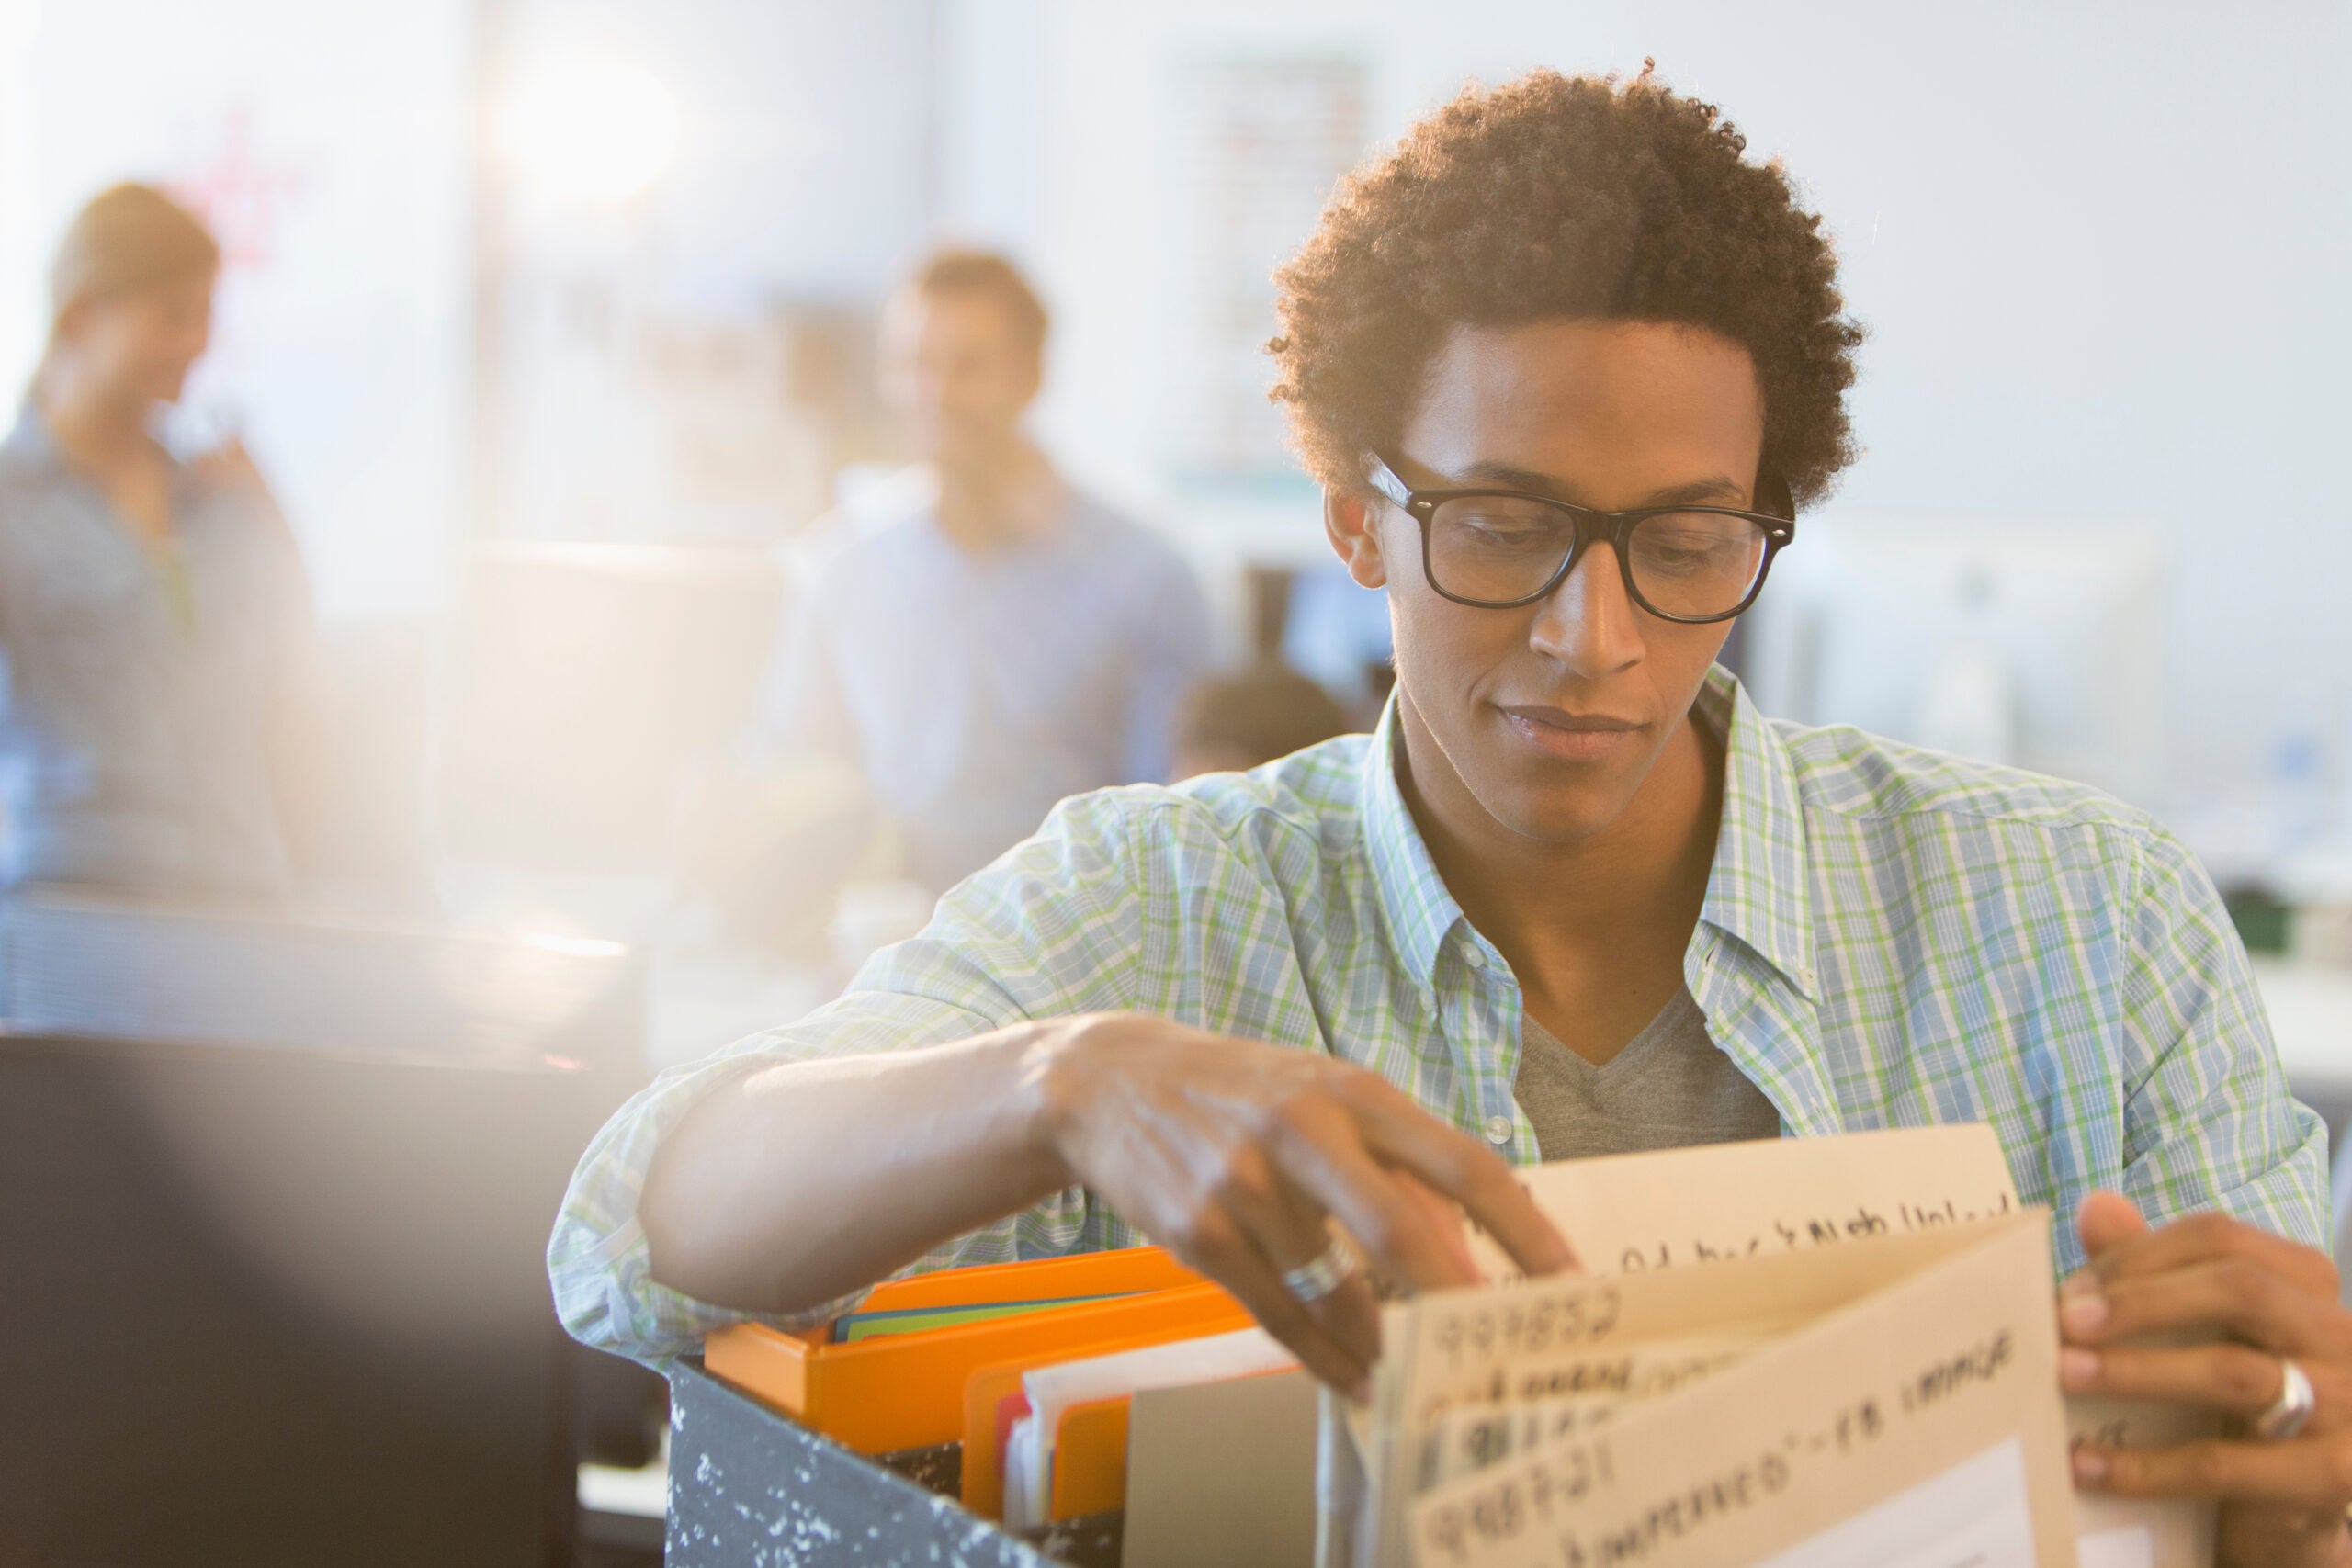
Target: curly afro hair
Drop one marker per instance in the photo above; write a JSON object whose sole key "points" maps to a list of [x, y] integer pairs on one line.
{"points": [[1555, 196]]}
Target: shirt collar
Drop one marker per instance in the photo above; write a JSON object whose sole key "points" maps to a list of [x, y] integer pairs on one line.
{"points": [[1413, 898], [34, 445], [1057, 506], [1755, 890]]}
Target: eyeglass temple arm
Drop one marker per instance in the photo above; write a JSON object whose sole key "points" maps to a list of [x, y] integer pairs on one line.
{"points": [[1383, 480]]}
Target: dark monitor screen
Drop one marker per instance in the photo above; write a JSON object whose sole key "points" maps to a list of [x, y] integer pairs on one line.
{"points": [[266, 1307], [274, 1198]]}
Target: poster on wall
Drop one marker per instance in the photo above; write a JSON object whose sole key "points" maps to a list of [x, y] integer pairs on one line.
{"points": [[1258, 143]]}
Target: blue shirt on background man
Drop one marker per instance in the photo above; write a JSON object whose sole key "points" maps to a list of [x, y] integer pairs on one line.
{"points": [[973, 689], [141, 692]]}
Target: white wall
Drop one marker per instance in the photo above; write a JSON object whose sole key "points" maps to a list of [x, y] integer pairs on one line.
{"points": [[330, 139], [803, 177], [19, 331], [2102, 250], [2101, 247]]}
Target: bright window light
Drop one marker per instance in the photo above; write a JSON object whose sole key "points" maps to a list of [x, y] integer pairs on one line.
{"points": [[590, 130]]}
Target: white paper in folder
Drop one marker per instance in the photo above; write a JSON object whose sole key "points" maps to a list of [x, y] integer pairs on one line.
{"points": [[1973, 1515], [1630, 1213]]}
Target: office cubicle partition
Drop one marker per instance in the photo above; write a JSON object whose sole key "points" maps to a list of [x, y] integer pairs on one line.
{"points": [[274, 1198]]}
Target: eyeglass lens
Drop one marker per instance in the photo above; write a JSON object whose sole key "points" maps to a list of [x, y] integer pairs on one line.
{"points": [[1499, 548]]}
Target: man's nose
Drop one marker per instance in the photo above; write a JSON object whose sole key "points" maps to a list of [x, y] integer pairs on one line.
{"points": [[1589, 623]]}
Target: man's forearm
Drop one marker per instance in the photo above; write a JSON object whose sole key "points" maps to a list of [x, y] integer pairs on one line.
{"points": [[799, 1183]]}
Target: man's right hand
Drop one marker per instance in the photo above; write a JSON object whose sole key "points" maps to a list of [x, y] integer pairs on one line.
{"points": [[1236, 1155]]}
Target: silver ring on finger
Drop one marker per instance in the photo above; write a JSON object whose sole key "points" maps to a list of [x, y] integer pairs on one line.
{"points": [[2290, 1409], [1333, 1267]]}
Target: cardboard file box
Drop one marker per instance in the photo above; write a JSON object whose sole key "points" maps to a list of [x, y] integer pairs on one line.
{"points": [[851, 1452], [753, 1486]]}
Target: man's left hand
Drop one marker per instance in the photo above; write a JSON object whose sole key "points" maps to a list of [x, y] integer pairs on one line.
{"points": [[2264, 1300]]}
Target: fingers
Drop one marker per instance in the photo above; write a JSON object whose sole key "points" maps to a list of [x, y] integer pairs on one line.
{"points": [[228, 463], [2196, 1238], [2310, 1473], [1216, 1245], [1463, 1169], [1442, 1215], [1411, 1241], [2201, 1276], [2236, 1294], [2232, 1378], [2106, 1220], [1290, 1231]]}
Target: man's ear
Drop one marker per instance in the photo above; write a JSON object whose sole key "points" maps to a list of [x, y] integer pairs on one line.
{"points": [[1033, 378], [1354, 527]]}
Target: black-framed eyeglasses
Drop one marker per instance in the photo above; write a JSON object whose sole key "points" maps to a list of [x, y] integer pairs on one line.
{"points": [[1502, 548]]}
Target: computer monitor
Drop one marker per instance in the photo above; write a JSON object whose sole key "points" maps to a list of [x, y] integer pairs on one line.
{"points": [[282, 1308], [2034, 644], [275, 1196], [588, 685]]}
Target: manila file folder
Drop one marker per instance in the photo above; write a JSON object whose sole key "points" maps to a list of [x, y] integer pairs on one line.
{"points": [[1897, 1403], [1631, 1214]]}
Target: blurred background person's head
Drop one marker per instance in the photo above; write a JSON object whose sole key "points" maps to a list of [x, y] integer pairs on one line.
{"points": [[963, 355], [1234, 723], [130, 292]]}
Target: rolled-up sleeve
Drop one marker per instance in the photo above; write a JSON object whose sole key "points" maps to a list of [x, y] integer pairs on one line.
{"points": [[1054, 927], [2211, 1124]]}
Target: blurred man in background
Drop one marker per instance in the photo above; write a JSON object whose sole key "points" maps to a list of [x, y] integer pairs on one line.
{"points": [[994, 641]]}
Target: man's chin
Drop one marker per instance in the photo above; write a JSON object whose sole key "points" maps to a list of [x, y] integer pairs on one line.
{"points": [[1556, 817], [960, 446]]}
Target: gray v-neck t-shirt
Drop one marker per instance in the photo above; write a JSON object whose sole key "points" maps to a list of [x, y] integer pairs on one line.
{"points": [[1670, 1086]]}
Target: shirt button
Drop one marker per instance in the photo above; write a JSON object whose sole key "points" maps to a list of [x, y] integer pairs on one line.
{"points": [[1474, 957], [1499, 1130]]}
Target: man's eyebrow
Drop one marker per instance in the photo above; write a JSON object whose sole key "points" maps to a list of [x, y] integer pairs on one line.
{"points": [[1714, 489]]}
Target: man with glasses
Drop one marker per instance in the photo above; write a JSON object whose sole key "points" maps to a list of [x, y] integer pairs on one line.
{"points": [[1566, 366]]}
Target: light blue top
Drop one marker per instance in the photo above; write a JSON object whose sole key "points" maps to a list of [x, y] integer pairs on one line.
{"points": [[974, 689], [138, 694]]}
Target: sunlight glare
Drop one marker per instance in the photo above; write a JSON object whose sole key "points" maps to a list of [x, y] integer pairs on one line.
{"points": [[592, 130]]}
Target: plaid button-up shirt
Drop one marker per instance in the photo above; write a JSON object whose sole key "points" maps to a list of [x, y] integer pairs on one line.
{"points": [[1890, 938]]}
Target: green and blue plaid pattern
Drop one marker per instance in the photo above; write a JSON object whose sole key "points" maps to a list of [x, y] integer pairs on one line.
{"points": [[1891, 938]]}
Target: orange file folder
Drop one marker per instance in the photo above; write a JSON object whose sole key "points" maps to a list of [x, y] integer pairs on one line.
{"points": [[1040, 1278], [1090, 1457], [989, 1387], [907, 1391]]}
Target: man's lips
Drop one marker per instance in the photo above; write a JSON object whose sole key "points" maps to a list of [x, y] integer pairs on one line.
{"points": [[1572, 737]]}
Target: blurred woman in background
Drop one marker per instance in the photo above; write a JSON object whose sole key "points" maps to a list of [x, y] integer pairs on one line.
{"points": [[154, 618]]}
